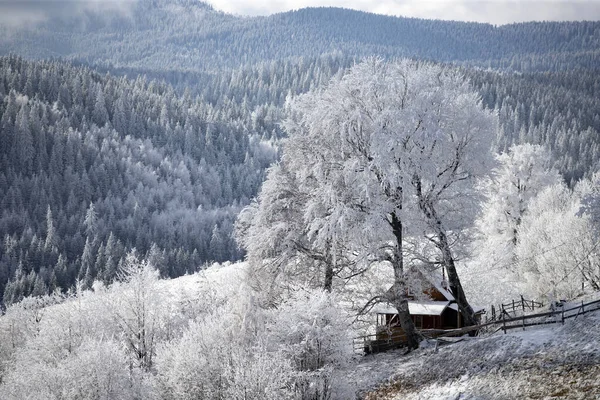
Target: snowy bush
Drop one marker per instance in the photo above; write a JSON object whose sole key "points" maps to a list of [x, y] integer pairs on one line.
{"points": [[134, 340], [95, 370], [312, 331], [221, 356]]}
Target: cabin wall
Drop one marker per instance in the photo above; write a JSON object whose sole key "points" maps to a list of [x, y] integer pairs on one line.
{"points": [[450, 319], [435, 294], [427, 321]]}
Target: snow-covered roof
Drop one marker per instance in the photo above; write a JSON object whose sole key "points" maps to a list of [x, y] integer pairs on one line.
{"points": [[438, 283], [385, 308], [415, 308], [427, 307], [476, 309]]}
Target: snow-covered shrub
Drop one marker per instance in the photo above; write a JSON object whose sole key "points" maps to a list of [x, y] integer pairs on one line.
{"points": [[22, 321], [312, 331], [134, 340], [221, 356], [94, 370]]}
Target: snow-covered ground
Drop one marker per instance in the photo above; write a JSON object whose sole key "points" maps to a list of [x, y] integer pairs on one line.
{"points": [[41, 345], [553, 361]]}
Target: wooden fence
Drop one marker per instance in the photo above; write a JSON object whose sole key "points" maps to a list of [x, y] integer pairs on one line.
{"points": [[369, 343], [558, 315], [377, 343], [512, 308]]}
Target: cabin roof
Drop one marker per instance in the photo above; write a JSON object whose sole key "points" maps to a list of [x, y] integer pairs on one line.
{"points": [[437, 281], [415, 308], [427, 307]]}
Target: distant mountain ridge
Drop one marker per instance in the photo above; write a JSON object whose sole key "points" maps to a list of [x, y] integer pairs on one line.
{"points": [[190, 35]]}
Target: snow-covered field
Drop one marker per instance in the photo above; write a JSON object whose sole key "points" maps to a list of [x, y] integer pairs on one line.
{"points": [[548, 362]]}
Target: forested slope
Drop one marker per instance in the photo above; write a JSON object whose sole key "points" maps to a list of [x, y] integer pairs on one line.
{"points": [[158, 124], [559, 110], [91, 166], [165, 169]]}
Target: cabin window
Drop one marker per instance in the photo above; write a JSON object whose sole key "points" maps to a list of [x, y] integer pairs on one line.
{"points": [[419, 321]]}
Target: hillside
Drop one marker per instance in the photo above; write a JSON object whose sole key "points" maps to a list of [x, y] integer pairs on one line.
{"points": [[351, 160], [199, 336], [92, 166], [551, 362], [224, 139], [83, 344], [188, 35]]}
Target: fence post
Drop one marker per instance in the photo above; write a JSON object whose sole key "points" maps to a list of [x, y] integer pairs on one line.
{"points": [[523, 322], [504, 323], [523, 303], [513, 306]]}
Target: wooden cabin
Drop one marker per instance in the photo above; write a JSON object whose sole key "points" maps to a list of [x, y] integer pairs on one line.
{"points": [[432, 311]]}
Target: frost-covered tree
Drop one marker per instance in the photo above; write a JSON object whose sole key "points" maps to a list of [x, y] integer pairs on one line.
{"points": [[279, 244], [520, 175], [446, 148], [137, 309], [218, 358], [591, 202], [100, 114], [50, 242], [95, 370], [238, 350], [523, 172], [368, 152], [310, 329], [557, 253], [90, 222]]}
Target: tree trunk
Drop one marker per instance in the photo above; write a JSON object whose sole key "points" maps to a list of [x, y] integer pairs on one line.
{"points": [[397, 293], [328, 284], [455, 286], [443, 245]]}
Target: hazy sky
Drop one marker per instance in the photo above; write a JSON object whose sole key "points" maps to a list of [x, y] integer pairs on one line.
{"points": [[492, 11], [19, 12]]}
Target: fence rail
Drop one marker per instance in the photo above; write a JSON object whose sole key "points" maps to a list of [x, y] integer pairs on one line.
{"points": [[512, 308], [550, 317], [371, 344], [378, 342]]}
